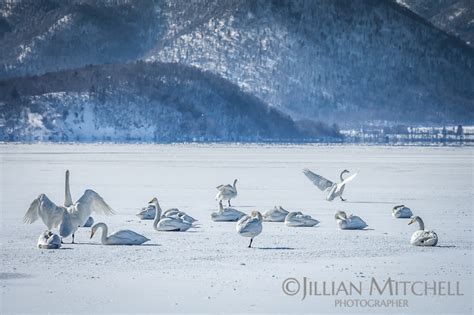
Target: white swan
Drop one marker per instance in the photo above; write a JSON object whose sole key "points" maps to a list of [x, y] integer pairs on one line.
{"points": [[148, 212], [351, 222], [333, 189], [226, 214], [298, 219], [49, 240], [122, 237], [227, 192], [70, 217], [176, 212], [250, 225], [89, 222], [173, 222], [422, 237], [277, 214], [401, 212]]}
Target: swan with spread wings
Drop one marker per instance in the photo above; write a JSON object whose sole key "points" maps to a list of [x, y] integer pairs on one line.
{"points": [[68, 218], [333, 190]]}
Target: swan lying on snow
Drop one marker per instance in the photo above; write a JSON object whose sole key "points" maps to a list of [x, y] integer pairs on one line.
{"points": [[351, 222], [173, 222], [71, 216], [227, 192], [122, 237], [422, 237], [148, 212], [277, 214], [401, 212], [176, 212], [333, 189], [250, 226], [49, 240], [226, 214], [298, 219]]}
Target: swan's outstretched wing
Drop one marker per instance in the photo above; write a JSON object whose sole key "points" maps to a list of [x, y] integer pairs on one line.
{"points": [[320, 182], [49, 212], [93, 201], [348, 179]]}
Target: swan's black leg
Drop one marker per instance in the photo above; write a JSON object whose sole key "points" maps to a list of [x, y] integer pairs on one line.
{"points": [[251, 240], [62, 240], [228, 201], [342, 198], [72, 238]]}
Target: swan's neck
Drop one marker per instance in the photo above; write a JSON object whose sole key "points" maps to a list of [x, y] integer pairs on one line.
{"points": [[235, 184], [105, 231], [67, 197], [420, 223], [157, 215], [342, 173]]}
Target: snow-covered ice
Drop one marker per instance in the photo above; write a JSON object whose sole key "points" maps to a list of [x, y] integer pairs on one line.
{"points": [[210, 268]]}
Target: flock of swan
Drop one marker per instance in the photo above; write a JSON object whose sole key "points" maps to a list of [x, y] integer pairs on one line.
{"points": [[67, 219]]}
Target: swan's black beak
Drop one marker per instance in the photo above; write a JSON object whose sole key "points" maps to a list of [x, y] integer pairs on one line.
{"points": [[410, 222], [92, 234]]}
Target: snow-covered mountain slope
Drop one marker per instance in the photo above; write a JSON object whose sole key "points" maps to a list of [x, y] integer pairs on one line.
{"points": [[141, 102], [350, 62], [454, 16]]}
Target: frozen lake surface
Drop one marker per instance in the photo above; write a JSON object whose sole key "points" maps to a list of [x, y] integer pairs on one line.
{"points": [[210, 268]]}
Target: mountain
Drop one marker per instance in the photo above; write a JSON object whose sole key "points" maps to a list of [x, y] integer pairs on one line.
{"points": [[346, 62], [453, 16], [141, 102]]}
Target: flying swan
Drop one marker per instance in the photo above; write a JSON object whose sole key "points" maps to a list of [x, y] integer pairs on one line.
{"points": [[401, 212], [227, 192], [298, 219], [277, 214], [49, 240], [226, 214], [333, 189], [70, 217], [122, 237], [351, 222], [422, 237], [173, 222], [250, 225]]}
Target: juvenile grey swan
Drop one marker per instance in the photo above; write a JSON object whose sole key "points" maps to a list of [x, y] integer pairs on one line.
{"points": [[333, 189]]}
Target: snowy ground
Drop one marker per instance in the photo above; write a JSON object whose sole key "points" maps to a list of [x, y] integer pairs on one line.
{"points": [[210, 269]]}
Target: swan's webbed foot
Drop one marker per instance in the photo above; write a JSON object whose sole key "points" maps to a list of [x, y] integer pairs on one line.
{"points": [[251, 240], [342, 198]]}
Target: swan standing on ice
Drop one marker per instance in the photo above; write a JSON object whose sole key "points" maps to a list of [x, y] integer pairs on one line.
{"points": [[122, 237], [67, 218], [173, 222], [351, 222], [401, 212], [277, 214], [148, 212], [226, 214], [49, 240], [422, 237], [333, 189], [298, 219], [250, 226], [227, 192]]}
